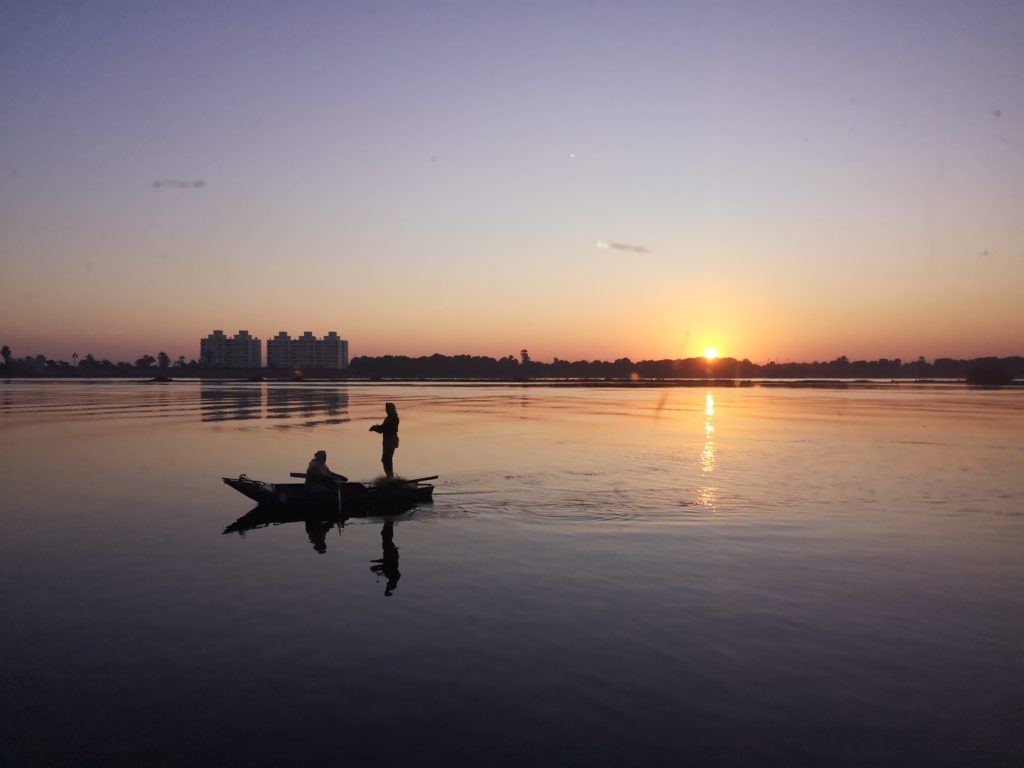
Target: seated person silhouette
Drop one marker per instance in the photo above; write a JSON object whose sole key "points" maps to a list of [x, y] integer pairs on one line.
{"points": [[319, 476]]}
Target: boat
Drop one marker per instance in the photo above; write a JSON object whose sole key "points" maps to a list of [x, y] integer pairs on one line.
{"points": [[397, 494]]}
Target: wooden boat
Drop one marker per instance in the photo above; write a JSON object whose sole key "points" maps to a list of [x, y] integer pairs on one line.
{"points": [[350, 496]]}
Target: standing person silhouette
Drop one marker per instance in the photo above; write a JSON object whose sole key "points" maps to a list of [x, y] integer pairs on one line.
{"points": [[389, 429]]}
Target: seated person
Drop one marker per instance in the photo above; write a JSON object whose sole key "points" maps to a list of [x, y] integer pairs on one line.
{"points": [[318, 475]]}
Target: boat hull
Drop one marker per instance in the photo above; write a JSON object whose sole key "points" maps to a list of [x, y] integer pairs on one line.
{"points": [[346, 495]]}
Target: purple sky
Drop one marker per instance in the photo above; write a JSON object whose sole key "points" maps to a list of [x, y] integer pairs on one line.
{"points": [[792, 180]]}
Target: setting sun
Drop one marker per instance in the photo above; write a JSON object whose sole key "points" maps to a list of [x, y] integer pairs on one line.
{"points": [[710, 353]]}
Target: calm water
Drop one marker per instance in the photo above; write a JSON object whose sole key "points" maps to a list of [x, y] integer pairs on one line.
{"points": [[606, 577]]}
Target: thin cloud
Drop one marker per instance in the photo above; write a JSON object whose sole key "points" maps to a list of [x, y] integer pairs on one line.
{"points": [[179, 184], [623, 246]]}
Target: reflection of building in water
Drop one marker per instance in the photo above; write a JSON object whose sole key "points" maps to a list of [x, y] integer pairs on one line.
{"points": [[240, 351], [289, 400], [315, 405], [218, 402], [307, 351], [708, 495]]}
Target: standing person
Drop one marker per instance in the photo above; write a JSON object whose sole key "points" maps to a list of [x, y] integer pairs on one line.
{"points": [[389, 429]]}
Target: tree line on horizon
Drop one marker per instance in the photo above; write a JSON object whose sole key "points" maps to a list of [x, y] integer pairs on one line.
{"points": [[438, 366], [40, 365], [471, 366]]}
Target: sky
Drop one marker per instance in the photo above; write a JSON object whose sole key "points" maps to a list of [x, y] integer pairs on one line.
{"points": [[586, 180]]}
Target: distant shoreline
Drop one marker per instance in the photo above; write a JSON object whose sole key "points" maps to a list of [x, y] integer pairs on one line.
{"points": [[620, 383], [982, 370]]}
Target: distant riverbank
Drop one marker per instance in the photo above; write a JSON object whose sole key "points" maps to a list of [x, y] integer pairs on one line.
{"points": [[982, 370], [789, 383]]}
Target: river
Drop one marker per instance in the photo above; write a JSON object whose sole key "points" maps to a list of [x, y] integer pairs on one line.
{"points": [[607, 576]]}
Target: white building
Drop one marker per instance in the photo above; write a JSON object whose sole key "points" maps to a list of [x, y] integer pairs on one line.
{"points": [[279, 351], [332, 351], [307, 352], [240, 351], [213, 350]]}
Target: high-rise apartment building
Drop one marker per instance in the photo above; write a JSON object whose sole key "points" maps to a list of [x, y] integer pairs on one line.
{"points": [[307, 351], [239, 351], [279, 353], [332, 351]]}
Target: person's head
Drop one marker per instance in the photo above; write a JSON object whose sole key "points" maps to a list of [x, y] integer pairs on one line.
{"points": [[320, 455], [390, 408]]}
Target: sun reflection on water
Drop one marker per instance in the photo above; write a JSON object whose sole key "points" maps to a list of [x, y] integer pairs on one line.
{"points": [[707, 496], [707, 456]]}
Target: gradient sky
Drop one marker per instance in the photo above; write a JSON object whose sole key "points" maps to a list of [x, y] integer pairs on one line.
{"points": [[795, 180]]}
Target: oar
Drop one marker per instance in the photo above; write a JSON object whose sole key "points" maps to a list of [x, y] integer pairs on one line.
{"points": [[303, 474], [392, 485]]}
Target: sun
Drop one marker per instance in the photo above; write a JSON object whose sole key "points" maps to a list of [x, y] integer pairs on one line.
{"points": [[710, 353]]}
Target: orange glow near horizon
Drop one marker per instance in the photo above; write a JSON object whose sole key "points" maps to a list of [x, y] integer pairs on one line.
{"points": [[124, 238]]}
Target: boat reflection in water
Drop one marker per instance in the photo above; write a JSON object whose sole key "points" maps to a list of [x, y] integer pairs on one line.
{"points": [[318, 524], [315, 518]]}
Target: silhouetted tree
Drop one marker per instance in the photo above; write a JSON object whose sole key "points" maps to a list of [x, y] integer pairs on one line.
{"points": [[524, 356], [5, 353], [922, 366], [180, 362], [988, 370], [145, 362], [162, 360]]}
